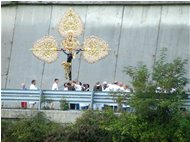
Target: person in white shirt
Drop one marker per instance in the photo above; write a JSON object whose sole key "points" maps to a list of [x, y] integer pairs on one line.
{"points": [[33, 85], [77, 86], [127, 89], [121, 87], [114, 87], [105, 86], [65, 87], [55, 84]]}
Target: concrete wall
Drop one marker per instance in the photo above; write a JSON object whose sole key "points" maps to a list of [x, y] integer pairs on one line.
{"points": [[134, 33], [55, 115]]}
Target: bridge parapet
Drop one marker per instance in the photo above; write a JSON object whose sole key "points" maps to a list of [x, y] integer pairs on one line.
{"points": [[11, 98], [53, 115]]}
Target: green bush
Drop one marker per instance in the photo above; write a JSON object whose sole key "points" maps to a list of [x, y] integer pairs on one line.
{"points": [[159, 112], [30, 129], [63, 104], [6, 130], [88, 127], [46, 103]]}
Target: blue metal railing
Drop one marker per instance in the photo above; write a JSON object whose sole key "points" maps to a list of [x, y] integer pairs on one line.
{"points": [[20, 95], [72, 97], [10, 96]]}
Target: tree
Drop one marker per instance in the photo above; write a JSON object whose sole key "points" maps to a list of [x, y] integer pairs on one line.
{"points": [[157, 98]]}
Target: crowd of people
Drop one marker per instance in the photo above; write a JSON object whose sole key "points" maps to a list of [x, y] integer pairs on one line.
{"points": [[78, 86], [98, 87], [114, 87]]}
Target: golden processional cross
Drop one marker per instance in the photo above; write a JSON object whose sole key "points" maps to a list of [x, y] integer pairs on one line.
{"points": [[70, 27]]}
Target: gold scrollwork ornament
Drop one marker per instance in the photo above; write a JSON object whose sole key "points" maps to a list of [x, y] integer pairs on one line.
{"points": [[45, 49], [70, 43], [70, 23], [94, 49], [67, 69]]}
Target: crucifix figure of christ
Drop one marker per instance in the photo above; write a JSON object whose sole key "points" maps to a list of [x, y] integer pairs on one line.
{"points": [[70, 26], [68, 65]]}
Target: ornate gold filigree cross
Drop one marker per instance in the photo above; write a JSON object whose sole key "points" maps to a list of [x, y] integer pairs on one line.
{"points": [[70, 27]]}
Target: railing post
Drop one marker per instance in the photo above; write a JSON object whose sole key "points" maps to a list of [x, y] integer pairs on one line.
{"points": [[92, 100], [41, 93]]}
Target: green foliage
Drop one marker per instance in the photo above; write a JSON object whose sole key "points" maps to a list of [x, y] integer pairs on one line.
{"points": [[5, 130], [158, 110], [161, 105], [46, 103], [124, 128], [88, 127], [139, 76], [157, 117], [120, 98], [63, 104], [169, 75], [30, 129]]}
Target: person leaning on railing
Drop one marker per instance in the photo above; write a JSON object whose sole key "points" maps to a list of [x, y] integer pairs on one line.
{"points": [[55, 84], [97, 87], [23, 86], [33, 87]]}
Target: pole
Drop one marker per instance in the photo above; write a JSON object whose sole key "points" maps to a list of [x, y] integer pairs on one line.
{"points": [[70, 73], [41, 92], [92, 100]]}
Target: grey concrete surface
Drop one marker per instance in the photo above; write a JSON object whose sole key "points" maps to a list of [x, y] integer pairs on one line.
{"points": [[8, 17], [96, 2], [134, 33], [53, 115], [31, 23], [138, 38], [109, 30]]}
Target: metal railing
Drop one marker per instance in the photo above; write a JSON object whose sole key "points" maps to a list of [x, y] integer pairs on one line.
{"points": [[9, 97], [12, 98]]}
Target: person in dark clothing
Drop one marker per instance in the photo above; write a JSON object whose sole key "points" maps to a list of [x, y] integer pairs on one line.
{"points": [[69, 62], [97, 87], [70, 55], [70, 86], [86, 87]]}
